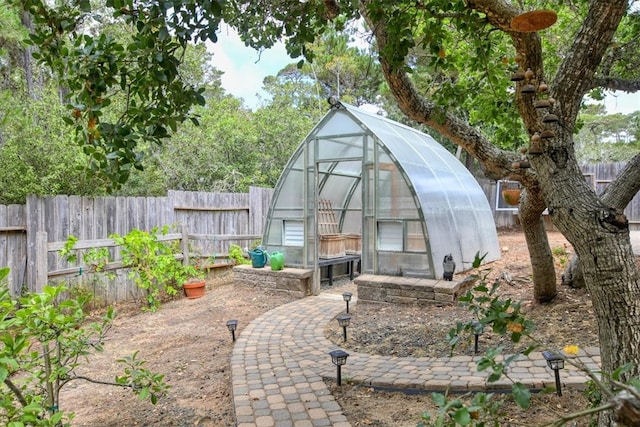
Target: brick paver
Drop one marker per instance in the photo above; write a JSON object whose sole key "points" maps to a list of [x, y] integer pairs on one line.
{"points": [[280, 359]]}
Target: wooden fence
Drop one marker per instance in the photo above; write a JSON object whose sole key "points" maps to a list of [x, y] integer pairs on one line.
{"points": [[214, 220], [211, 220]]}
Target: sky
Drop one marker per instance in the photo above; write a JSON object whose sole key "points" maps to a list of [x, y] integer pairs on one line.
{"points": [[245, 69]]}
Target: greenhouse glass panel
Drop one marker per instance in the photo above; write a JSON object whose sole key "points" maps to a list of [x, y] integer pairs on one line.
{"points": [[338, 125], [339, 148], [293, 233], [274, 237], [403, 264], [290, 194], [416, 241], [390, 236]]}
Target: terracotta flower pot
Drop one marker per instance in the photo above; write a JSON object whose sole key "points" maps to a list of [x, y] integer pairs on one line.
{"points": [[511, 196], [194, 288]]}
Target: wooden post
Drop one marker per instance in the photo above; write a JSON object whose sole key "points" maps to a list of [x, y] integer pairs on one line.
{"points": [[184, 244], [42, 263]]}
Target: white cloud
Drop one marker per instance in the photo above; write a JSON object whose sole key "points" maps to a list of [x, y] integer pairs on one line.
{"points": [[245, 68]]}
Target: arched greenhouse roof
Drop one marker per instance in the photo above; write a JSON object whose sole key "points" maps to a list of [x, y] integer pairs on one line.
{"points": [[410, 199]]}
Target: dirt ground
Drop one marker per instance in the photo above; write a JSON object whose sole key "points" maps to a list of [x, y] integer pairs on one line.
{"points": [[188, 342]]}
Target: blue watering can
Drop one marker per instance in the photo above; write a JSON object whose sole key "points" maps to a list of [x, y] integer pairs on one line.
{"points": [[259, 258]]}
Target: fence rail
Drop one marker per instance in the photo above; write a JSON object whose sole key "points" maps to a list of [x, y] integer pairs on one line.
{"points": [[86, 276]]}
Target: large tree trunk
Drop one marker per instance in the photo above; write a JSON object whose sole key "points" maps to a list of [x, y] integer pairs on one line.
{"points": [[617, 196], [544, 277], [600, 237]]}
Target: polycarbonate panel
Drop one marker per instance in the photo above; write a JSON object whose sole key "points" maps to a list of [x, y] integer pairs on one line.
{"points": [[352, 222], [403, 264], [273, 236], [338, 124], [336, 189], [287, 213], [291, 194], [350, 168], [339, 148], [390, 236], [292, 255], [415, 238]]}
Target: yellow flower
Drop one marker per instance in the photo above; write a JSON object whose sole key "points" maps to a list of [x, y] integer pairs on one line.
{"points": [[571, 349], [515, 327]]}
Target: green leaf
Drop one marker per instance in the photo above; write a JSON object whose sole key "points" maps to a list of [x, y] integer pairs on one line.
{"points": [[621, 370], [439, 399], [521, 395], [462, 416]]}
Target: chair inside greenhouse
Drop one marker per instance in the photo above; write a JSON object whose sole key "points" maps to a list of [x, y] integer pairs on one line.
{"points": [[363, 187]]}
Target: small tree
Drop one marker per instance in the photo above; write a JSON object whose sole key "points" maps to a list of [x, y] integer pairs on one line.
{"points": [[42, 342], [153, 264]]}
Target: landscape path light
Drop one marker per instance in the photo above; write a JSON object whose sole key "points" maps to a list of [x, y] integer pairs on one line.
{"points": [[343, 321], [555, 362], [478, 329], [232, 325], [339, 358], [347, 297]]}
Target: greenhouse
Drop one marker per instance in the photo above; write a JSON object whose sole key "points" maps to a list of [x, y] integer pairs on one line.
{"points": [[363, 187]]}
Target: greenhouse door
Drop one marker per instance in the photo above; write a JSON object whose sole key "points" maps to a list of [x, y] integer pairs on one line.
{"points": [[339, 208]]}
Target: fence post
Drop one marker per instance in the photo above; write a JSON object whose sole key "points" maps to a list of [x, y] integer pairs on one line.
{"points": [[42, 263], [184, 244]]}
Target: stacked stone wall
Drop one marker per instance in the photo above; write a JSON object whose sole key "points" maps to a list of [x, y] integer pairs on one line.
{"points": [[295, 281], [408, 290]]}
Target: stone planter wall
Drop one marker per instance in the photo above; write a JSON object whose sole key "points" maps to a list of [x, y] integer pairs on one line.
{"points": [[295, 281], [408, 290]]}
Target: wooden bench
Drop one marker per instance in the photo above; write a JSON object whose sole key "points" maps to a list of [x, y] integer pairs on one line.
{"points": [[350, 260]]}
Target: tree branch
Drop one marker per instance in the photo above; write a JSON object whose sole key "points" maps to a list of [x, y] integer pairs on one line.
{"points": [[576, 72], [496, 162], [615, 83], [618, 194], [16, 391], [563, 419], [91, 380]]}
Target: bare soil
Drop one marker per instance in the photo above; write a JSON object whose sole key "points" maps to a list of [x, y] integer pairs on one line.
{"points": [[187, 340]]}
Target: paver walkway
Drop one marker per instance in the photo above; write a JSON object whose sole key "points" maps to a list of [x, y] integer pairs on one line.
{"points": [[280, 359]]}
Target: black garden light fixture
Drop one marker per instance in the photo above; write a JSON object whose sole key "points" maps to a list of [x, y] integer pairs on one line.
{"points": [[478, 329], [343, 321], [555, 362], [232, 325], [347, 297], [339, 358]]}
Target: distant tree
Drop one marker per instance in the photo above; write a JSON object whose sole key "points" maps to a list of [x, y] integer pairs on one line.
{"points": [[607, 138], [37, 155]]}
